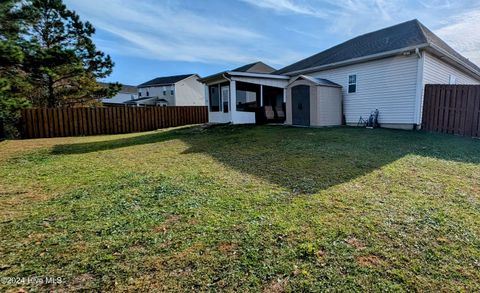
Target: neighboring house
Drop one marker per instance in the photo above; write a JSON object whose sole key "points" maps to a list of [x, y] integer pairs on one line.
{"points": [[178, 90], [385, 70], [127, 93]]}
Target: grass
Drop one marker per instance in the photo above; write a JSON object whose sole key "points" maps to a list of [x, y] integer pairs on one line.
{"points": [[243, 209]]}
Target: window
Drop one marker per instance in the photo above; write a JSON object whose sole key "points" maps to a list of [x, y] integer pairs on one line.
{"points": [[172, 91], [452, 79], [352, 83], [214, 97], [139, 94], [148, 94], [164, 91]]}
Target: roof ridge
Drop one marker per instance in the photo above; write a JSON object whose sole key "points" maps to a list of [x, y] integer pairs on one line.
{"points": [[423, 29]]}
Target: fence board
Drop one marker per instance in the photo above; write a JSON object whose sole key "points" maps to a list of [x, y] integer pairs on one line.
{"points": [[43, 122], [453, 109]]}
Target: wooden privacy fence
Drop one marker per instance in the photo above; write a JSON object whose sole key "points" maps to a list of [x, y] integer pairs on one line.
{"points": [[453, 109], [55, 122]]}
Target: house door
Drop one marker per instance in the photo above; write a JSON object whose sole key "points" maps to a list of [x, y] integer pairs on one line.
{"points": [[301, 105], [225, 97]]}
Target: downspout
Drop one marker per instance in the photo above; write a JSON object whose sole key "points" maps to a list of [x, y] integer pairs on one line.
{"points": [[419, 91], [417, 52]]}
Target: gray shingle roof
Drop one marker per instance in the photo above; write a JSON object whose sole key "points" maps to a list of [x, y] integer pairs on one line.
{"points": [[323, 81], [129, 89], [317, 81], [165, 80], [255, 67], [408, 34]]}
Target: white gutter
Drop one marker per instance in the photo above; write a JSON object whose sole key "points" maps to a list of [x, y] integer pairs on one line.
{"points": [[357, 60], [224, 76], [455, 59]]}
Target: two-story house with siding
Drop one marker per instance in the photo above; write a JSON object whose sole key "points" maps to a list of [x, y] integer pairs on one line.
{"points": [[385, 70], [177, 90], [126, 93]]}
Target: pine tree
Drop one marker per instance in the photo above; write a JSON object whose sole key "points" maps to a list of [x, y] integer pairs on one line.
{"points": [[60, 56], [14, 85]]}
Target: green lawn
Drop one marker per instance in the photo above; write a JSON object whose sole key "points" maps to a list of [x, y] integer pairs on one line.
{"points": [[266, 208]]}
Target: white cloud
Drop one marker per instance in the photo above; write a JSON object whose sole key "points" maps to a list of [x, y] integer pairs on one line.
{"points": [[167, 32], [288, 6], [462, 33]]}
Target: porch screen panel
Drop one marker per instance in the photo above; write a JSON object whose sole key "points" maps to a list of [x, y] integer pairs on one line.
{"points": [[248, 96], [214, 96]]}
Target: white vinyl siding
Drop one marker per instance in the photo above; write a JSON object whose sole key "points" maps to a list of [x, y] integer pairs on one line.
{"points": [[189, 92], [388, 85], [436, 71]]}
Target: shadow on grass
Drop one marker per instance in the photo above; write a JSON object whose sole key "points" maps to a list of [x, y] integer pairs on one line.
{"points": [[104, 145], [302, 159]]}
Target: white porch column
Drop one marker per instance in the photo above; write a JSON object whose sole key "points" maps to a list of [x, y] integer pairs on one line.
{"points": [[207, 96], [284, 95], [232, 103], [261, 95]]}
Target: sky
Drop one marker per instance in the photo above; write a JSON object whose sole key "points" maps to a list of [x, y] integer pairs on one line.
{"points": [[152, 38]]}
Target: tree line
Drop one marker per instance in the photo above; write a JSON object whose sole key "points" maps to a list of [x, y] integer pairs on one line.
{"points": [[48, 59]]}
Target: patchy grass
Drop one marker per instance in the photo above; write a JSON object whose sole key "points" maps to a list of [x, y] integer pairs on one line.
{"points": [[243, 209]]}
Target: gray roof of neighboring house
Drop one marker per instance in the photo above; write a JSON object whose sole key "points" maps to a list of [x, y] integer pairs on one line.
{"points": [[165, 80], [255, 67], [404, 35], [128, 89], [138, 99]]}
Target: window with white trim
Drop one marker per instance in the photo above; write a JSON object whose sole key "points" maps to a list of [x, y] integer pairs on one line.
{"points": [[352, 83], [452, 79]]}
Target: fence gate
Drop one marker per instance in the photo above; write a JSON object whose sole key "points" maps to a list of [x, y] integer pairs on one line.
{"points": [[453, 109]]}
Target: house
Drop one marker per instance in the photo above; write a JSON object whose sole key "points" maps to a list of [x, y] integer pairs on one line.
{"points": [[177, 90], [385, 70], [126, 93]]}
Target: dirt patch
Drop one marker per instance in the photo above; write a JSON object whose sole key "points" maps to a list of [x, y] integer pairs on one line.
{"points": [[18, 290], [170, 221], [227, 248], [83, 280], [359, 245], [15, 202], [276, 286], [320, 254], [369, 261], [193, 221]]}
